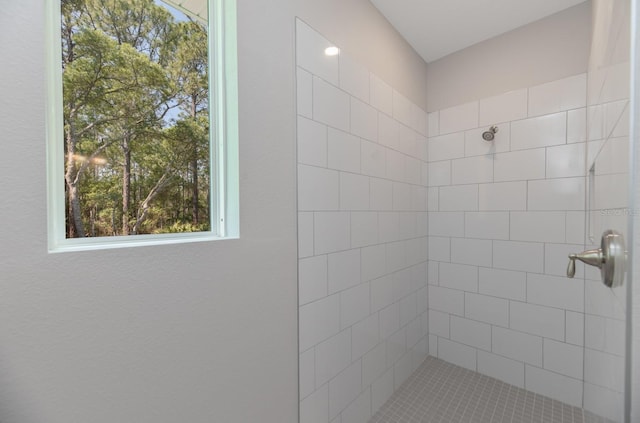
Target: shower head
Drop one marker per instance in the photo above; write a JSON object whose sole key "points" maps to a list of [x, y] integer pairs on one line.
{"points": [[490, 134]]}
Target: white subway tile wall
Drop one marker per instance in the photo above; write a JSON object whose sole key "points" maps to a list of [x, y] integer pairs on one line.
{"points": [[508, 214], [418, 237], [607, 157], [363, 225]]}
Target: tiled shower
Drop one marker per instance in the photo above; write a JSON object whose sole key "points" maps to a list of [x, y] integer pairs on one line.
{"points": [[418, 238], [503, 218], [362, 197]]}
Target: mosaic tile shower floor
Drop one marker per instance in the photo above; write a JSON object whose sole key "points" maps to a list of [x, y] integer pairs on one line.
{"points": [[445, 393]]}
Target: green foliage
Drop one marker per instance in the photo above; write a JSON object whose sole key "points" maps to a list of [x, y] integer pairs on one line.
{"points": [[136, 116], [183, 227]]}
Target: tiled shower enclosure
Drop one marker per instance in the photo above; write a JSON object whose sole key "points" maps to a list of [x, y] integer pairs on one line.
{"points": [[417, 237], [362, 225]]}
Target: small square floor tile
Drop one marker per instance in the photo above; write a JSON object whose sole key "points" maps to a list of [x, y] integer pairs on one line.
{"points": [[442, 392]]}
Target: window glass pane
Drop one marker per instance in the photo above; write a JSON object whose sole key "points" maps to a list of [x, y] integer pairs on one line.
{"points": [[137, 151]]}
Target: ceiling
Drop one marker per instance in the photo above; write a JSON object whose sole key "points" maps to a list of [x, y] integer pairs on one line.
{"points": [[436, 28]]}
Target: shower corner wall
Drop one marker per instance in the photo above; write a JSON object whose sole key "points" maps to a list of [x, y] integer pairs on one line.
{"points": [[509, 213], [362, 202], [608, 152]]}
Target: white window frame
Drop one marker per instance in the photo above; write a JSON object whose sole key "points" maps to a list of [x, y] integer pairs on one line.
{"points": [[223, 112]]}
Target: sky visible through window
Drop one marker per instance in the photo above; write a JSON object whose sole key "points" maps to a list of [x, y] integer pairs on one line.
{"points": [[177, 14]]}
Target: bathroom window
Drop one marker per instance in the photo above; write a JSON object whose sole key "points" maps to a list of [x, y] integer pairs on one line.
{"points": [[142, 122]]}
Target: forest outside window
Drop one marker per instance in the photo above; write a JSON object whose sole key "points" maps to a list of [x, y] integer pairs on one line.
{"points": [[142, 122]]}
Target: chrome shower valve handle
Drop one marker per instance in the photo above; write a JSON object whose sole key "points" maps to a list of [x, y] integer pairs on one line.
{"points": [[610, 258], [590, 257]]}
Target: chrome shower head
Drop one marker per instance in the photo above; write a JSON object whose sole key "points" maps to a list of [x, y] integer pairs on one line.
{"points": [[490, 134]]}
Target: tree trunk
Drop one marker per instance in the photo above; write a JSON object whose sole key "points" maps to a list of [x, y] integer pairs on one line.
{"points": [[74, 212], [195, 212], [126, 183], [143, 211], [76, 229], [114, 227]]}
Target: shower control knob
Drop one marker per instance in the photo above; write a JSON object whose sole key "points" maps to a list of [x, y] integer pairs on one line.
{"points": [[610, 258], [590, 257]]}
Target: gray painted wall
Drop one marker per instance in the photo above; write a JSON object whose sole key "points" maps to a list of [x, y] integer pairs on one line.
{"points": [[546, 50], [195, 332], [202, 332]]}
